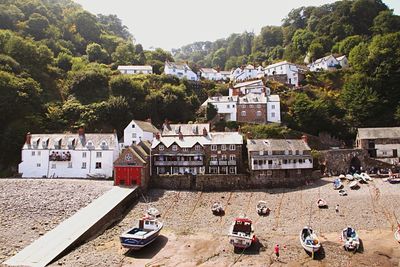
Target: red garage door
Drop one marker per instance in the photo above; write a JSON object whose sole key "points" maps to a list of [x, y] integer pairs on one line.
{"points": [[127, 175]]}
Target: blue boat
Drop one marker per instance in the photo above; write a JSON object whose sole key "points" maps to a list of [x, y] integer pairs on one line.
{"points": [[139, 237]]}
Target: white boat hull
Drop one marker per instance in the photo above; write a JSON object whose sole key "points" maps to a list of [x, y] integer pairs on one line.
{"points": [[311, 248]]}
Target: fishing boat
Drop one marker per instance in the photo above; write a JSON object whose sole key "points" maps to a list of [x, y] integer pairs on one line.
{"points": [[217, 208], [341, 177], [262, 208], [337, 184], [342, 192], [138, 237], [321, 203], [241, 234], [354, 185], [153, 212], [350, 239], [366, 176], [309, 240], [394, 180]]}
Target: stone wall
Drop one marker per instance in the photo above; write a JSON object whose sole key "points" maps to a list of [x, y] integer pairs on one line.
{"points": [[210, 182]]}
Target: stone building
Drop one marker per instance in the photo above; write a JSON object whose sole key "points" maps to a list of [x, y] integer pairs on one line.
{"points": [[276, 159], [381, 143]]}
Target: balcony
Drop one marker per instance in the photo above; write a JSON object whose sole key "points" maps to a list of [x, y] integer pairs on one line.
{"points": [[178, 163], [60, 157], [213, 162], [223, 162], [232, 162], [282, 166]]}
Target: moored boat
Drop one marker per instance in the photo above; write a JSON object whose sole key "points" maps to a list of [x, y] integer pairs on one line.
{"points": [[354, 185], [342, 192], [309, 240], [350, 239], [321, 203], [217, 208], [394, 180], [241, 234], [138, 237], [337, 184], [262, 208], [349, 177], [153, 212]]}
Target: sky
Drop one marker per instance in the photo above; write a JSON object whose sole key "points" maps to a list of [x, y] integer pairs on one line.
{"points": [[173, 23]]}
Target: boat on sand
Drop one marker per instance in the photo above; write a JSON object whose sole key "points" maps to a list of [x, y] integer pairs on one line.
{"points": [[309, 240]]}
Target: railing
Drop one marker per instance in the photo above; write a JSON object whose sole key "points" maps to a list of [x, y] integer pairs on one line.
{"points": [[282, 166], [214, 162], [178, 163], [60, 157], [232, 162], [223, 162]]}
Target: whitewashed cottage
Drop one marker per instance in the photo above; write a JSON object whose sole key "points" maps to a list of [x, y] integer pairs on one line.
{"points": [[137, 131], [135, 69], [180, 71]]}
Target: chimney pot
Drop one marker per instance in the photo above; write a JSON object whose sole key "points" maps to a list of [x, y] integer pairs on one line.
{"points": [[158, 136], [304, 138], [205, 133], [28, 138]]}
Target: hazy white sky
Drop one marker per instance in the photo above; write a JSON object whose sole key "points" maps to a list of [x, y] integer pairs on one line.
{"points": [[174, 23]]}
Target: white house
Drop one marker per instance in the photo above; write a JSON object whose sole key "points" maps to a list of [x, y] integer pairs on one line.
{"points": [[248, 72], [69, 155], [225, 75], [284, 68], [325, 63], [343, 61], [135, 69], [273, 109], [249, 87], [226, 106], [180, 71], [209, 74], [137, 131]]}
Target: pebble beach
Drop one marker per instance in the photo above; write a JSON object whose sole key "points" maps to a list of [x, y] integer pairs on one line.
{"points": [[193, 236]]}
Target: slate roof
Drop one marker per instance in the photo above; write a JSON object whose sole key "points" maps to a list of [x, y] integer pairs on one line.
{"points": [[135, 67], [253, 99], [146, 126], [238, 85], [276, 145], [185, 129], [208, 70], [379, 133]]}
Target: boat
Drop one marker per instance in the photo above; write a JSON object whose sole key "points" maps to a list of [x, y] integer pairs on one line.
{"points": [[262, 208], [337, 184], [366, 176], [321, 203], [397, 234], [241, 234], [342, 192], [342, 177], [217, 208], [353, 185], [361, 178], [153, 212], [394, 180], [309, 240], [138, 237], [349, 177], [350, 239]]}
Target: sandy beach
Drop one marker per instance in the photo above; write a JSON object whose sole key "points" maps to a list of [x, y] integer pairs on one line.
{"points": [[194, 237]]}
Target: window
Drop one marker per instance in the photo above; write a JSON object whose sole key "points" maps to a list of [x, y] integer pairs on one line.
{"points": [[273, 114], [300, 160], [70, 164], [232, 157], [298, 171], [133, 125], [174, 148], [214, 158], [33, 153], [285, 161], [39, 153], [223, 147], [98, 154], [290, 152], [213, 170], [53, 165], [269, 162], [197, 147], [38, 165], [185, 149], [258, 113], [161, 148], [83, 154], [232, 147], [272, 106], [258, 106], [243, 113], [98, 165], [213, 147], [233, 106], [83, 165], [228, 106], [133, 135], [232, 170], [297, 152], [251, 106], [223, 157]]}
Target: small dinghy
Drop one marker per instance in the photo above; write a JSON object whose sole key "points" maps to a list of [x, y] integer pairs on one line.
{"points": [[350, 239], [349, 177], [342, 192], [366, 176], [138, 237], [341, 177], [262, 208], [153, 212], [309, 240], [394, 180], [397, 234], [217, 208], [321, 203], [241, 234], [337, 184], [354, 185]]}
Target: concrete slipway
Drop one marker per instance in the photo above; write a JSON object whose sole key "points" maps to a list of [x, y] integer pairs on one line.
{"points": [[84, 224]]}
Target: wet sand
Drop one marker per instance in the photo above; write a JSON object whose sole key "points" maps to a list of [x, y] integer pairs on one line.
{"points": [[192, 236]]}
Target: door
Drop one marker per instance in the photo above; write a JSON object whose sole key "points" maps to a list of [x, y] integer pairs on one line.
{"points": [[394, 153]]}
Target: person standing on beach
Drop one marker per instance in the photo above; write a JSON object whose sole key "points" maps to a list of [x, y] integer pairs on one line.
{"points": [[276, 250], [337, 208]]}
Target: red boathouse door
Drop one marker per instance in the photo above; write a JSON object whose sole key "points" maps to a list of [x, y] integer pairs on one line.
{"points": [[127, 175]]}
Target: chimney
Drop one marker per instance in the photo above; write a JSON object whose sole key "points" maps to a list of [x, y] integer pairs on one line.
{"points": [[28, 138], [180, 136], [158, 136], [148, 120], [81, 131], [304, 138], [205, 133], [239, 129]]}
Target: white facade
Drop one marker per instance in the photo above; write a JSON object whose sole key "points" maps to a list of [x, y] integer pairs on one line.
{"points": [[250, 87], [325, 63], [249, 72], [137, 131], [226, 106], [343, 61], [209, 74], [180, 70], [69, 155], [284, 68], [135, 69], [273, 109]]}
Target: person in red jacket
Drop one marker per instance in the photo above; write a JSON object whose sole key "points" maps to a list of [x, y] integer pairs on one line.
{"points": [[276, 250]]}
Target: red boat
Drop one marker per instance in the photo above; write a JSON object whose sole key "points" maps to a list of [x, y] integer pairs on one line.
{"points": [[241, 234]]}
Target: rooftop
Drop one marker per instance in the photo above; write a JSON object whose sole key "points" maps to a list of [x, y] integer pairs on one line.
{"points": [[377, 133], [135, 67], [255, 82], [276, 145], [186, 129], [146, 126]]}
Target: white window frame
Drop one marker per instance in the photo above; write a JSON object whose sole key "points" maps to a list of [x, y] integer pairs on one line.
{"points": [[232, 147], [38, 165], [197, 147], [258, 113], [161, 148], [232, 157], [174, 147], [133, 135], [232, 170], [99, 154], [223, 147], [214, 147], [84, 165]]}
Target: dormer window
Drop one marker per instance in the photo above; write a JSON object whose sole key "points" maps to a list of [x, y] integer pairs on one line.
{"points": [[197, 147], [161, 147], [57, 143], [45, 143], [35, 142], [71, 143], [89, 145], [104, 145], [174, 148]]}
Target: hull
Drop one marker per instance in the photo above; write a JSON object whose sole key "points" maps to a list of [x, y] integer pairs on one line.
{"points": [[350, 243], [312, 248], [397, 235], [135, 243], [241, 242]]}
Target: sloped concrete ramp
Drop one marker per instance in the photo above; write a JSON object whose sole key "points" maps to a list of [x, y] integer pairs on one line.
{"points": [[82, 225]]}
